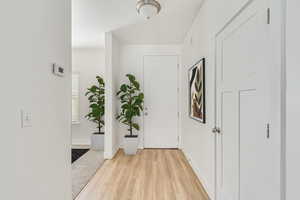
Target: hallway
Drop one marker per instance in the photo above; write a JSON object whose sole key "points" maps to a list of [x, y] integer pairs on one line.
{"points": [[161, 99], [151, 174]]}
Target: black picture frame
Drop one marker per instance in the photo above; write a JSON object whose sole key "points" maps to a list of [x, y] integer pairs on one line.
{"points": [[197, 113]]}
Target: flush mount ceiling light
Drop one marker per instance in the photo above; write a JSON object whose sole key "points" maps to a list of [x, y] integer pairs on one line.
{"points": [[148, 8]]}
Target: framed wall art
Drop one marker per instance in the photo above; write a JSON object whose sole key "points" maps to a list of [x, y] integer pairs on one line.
{"points": [[197, 91]]}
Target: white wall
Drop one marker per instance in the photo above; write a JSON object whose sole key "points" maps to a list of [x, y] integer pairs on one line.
{"points": [[35, 161], [131, 62], [198, 142], [89, 63], [112, 57], [292, 99], [197, 139]]}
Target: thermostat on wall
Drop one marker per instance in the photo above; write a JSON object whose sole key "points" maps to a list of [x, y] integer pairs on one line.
{"points": [[58, 70]]}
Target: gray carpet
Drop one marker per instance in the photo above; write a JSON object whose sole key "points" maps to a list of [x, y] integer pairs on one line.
{"points": [[84, 169]]}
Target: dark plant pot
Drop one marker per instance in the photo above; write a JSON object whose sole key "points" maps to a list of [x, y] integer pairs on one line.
{"points": [[97, 133], [131, 136], [97, 141]]}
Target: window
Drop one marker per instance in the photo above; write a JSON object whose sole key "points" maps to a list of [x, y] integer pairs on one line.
{"points": [[75, 99]]}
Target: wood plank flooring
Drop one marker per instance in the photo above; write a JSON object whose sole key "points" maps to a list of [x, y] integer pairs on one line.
{"points": [[153, 174]]}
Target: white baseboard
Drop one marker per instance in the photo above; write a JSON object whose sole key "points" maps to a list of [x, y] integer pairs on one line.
{"points": [[115, 152], [197, 172], [81, 146], [109, 156]]}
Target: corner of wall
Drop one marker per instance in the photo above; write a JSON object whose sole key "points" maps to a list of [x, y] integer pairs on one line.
{"points": [[111, 79], [108, 99], [196, 170]]}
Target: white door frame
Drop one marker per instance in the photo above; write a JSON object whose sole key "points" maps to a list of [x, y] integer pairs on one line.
{"points": [[178, 98], [277, 27]]}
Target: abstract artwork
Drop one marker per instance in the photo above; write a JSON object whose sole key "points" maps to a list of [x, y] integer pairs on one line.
{"points": [[197, 91]]}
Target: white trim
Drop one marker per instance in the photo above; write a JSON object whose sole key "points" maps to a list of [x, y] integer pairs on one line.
{"points": [[75, 122], [278, 25], [81, 146], [115, 151], [236, 15], [76, 95], [180, 146], [109, 156], [283, 160]]}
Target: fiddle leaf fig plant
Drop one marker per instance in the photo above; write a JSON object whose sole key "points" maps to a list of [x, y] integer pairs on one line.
{"points": [[132, 100], [96, 97]]}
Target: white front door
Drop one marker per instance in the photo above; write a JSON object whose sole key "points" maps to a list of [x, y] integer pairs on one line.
{"points": [[245, 146], [161, 102]]}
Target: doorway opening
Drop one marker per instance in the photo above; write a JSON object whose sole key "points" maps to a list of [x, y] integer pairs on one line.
{"points": [[87, 115]]}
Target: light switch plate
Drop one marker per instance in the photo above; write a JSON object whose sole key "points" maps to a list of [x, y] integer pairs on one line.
{"points": [[26, 119]]}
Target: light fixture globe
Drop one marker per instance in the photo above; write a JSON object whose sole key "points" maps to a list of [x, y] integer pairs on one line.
{"points": [[148, 8]]}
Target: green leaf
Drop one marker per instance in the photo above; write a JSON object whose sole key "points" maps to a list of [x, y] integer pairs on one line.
{"points": [[123, 88], [94, 88], [125, 106], [94, 106], [100, 80], [119, 92], [136, 126], [141, 107], [131, 102], [91, 97], [141, 96], [123, 96], [136, 85], [96, 98], [130, 77]]}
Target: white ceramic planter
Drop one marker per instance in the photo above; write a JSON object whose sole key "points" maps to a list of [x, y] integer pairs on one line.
{"points": [[131, 145], [97, 142]]}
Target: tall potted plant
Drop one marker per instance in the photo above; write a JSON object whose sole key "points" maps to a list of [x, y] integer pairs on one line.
{"points": [[132, 100], [96, 97]]}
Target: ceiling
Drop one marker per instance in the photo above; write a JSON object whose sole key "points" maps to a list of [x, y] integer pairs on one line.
{"points": [[92, 18]]}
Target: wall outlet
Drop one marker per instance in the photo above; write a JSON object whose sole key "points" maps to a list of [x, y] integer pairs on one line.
{"points": [[26, 119]]}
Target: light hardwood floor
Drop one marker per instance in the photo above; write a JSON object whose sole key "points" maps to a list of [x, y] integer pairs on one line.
{"points": [[150, 175]]}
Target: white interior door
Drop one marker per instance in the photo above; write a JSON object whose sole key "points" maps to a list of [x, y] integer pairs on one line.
{"points": [[245, 147], [161, 102]]}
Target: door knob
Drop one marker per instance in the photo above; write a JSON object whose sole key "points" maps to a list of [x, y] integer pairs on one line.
{"points": [[216, 130], [146, 114]]}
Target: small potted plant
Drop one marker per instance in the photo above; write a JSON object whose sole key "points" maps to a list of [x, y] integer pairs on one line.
{"points": [[96, 98], [132, 100]]}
